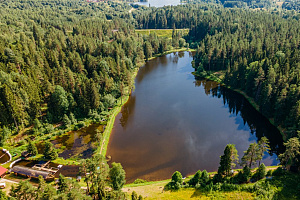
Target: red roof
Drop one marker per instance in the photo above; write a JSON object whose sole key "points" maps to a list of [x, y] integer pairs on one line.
{"points": [[2, 170]]}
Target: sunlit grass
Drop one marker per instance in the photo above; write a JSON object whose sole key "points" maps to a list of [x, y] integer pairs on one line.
{"points": [[161, 32]]}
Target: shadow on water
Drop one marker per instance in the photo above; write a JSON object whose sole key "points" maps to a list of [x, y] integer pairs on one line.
{"points": [[237, 104]]}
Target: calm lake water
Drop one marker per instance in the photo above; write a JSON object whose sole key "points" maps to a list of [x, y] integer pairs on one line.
{"points": [[160, 3], [174, 122]]}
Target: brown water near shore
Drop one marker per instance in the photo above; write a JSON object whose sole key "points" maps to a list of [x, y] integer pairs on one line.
{"points": [[174, 122], [4, 157]]}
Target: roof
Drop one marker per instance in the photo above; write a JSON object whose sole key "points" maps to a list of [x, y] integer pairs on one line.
{"points": [[2, 170], [31, 172]]}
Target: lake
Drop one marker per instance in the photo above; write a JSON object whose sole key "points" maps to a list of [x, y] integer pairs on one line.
{"points": [[174, 122], [160, 3]]}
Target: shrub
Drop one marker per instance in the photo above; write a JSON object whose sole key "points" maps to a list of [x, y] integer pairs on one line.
{"points": [[138, 181], [261, 171], [176, 181], [269, 173], [196, 179], [278, 172]]}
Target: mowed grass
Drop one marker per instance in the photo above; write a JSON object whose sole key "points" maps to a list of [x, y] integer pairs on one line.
{"points": [[161, 32], [155, 191]]}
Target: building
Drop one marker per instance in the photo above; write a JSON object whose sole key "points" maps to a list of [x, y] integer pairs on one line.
{"points": [[2, 171], [31, 173]]}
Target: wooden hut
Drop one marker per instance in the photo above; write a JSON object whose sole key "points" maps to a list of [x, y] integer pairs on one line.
{"points": [[31, 173]]}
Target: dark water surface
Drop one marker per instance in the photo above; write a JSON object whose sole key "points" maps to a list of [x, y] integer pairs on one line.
{"points": [[78, 143], [160, 3], [4, 157], [174, 122]]}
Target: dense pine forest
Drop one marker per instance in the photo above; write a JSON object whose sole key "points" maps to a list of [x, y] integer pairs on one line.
{"points": [[73, 56], [65, 61]]}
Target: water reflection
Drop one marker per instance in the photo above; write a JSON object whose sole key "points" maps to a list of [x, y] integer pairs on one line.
{"points": [[172, 122], [250, 119]]}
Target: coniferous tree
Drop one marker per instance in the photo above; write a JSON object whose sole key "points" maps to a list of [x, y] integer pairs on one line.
{"points": [[228, 160], [250, 156], [31, 148], [49, 151]]}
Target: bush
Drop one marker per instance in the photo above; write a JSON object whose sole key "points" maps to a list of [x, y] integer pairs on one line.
{"points": [[228, 187], [278, 172], [196, 179], [80, 124], [269, 173], [176, 182], [138, 181], [261, 171]]}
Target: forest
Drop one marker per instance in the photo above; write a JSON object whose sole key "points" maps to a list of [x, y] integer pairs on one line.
{"points": [[66, 61]]}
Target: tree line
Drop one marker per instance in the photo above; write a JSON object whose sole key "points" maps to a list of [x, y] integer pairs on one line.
{"points": [[67, 59], [258, 53]]}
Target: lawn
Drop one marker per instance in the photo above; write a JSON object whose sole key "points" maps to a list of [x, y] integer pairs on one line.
{"points": [[155, 191], [161, 32]]}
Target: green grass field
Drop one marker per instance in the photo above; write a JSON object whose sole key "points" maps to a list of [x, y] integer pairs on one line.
{"points": [[161, 32], [155, 191]]}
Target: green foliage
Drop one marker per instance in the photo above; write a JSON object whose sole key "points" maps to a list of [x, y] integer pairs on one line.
{"points": [[260, 172], [4, 134], [204, 177], [228, 160], [250, 156], [176, 182], [37, 124], [138, 181], [292, 152], [3, 196], [31, 148], [58, 104], [117, 176], [62, 184], [196, 179], [95, 171], [278, 172], [49, 151], [66, 121], [73, 118], [269, 173], [134, 196]]}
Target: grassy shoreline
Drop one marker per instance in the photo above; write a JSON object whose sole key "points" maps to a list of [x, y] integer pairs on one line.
{"points": [[110, 124], [171, 51]]}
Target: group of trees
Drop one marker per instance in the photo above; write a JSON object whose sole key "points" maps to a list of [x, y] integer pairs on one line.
{"points": [[258, 53], [67, 189], [227, 181], [61, 66], [254, 153], [97, 176]]}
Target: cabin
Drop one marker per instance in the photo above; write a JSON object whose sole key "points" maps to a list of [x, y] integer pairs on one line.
{"points": [[2, 171], [32, 173]]}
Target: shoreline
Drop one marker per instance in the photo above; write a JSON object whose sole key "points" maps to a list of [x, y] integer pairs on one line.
{"points": [[116, 110], [249, 99]]}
